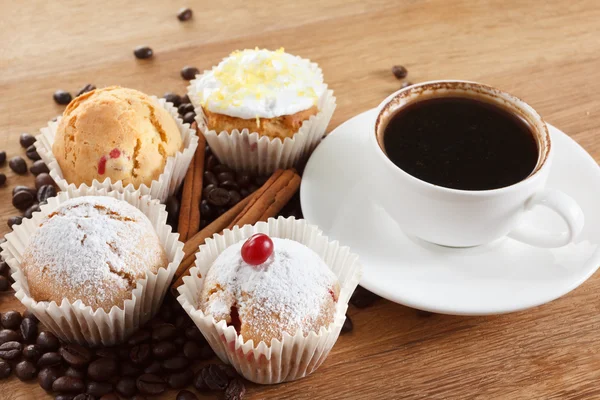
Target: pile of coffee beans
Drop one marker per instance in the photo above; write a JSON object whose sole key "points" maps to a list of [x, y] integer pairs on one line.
{"points": [[168, 353]]}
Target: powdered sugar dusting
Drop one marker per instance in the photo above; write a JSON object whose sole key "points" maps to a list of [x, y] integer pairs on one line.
{"points": [[287, 292]]}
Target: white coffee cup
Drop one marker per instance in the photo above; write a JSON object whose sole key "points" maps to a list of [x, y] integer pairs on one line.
{"points": [[463, 218]]}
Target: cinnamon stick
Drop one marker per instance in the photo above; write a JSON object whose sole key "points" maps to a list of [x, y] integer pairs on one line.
{"points": [[189, 211]]}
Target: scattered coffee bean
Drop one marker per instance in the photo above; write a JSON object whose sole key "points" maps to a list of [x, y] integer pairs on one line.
{"points": [[23, 200], [39, 167], [76, 355], [8, 335], [42, 180], [184, 14], [151, 385], [348, 325], [29, 315], [181, 379], [2, 179], [32, 153], [29, 330], [140, 354], [21, 188], [362, 298], [47, 341], [68, 384], [49, 359], [32, 352], [2, 157], [47, 376], [75, 373], [99, 389], [163, 332], [172, 98], [26, 140], [84, 396], [25, 370], [45, 192], [11, 320], [218, 197], [214, 377], [15, 220], [236, 390], [10, 350], [186, 395], [103, 369], [163, 350], [4, 284], [406, 84], [18, 165], [126, 387], [87, 88], [188, 118], [143, 52], [62, 97], [188, 73], [29, 212], [229, 370], [399, 71], [5, 369]]}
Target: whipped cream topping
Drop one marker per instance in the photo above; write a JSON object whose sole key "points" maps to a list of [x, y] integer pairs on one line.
{"points": [[260, 84]]}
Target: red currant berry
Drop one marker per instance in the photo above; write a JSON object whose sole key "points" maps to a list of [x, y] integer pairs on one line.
{"points": [[257, 249]]}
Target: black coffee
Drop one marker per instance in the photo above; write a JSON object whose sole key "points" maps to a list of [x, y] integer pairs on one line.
{"points": [[461, 143]]}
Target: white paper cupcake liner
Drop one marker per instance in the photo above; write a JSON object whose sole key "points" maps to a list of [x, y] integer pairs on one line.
{"points": [[161, 188], [250, 152], [76, 322], [294, 356]]}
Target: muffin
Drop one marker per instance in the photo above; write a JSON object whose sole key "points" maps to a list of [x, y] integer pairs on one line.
{"points": [[92, 249], [261, 110], [115, 133], [293, 290]]}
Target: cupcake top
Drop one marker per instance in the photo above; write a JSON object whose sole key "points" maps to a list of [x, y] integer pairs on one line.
{"points": [[92, 249], [292, 290], [115, 133], [252, 84]]}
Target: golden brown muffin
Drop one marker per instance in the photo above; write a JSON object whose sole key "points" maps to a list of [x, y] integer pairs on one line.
{"points": [[293, 290], [92, 249], [116, 133]]}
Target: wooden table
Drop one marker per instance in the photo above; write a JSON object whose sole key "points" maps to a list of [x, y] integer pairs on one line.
{"points": [[545, 52]]}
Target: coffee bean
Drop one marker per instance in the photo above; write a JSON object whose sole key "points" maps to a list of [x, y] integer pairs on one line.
{"points": [[87, 88], [406, 84], [173, 205], [47, 341], [192, 350], [49, 359], [185, 108], [75, 373], [184, 14], [186, 395], [143, 52], [25, 370], [103, 369], [153, 368], [162, 350], [8, 335], [218, 197], [348, 325], [229, 370], [220, 168], [176, 363], [172, 98], [32, 153], [126, 387], [206, 352], [140, 336], [214, 377], [32, 352], [211, 182], [129, 369], [76, 355], [47, 376], [362, 298], [193, 333], [4, 269], [64, 397], [28, 314], [178, 380], [107, 352], [45, 192], [15, 220], [211, 162], [22, 200], [11, 320], [185, 99], [4, 284], [62, 97], [5, 369], [29, 212], [163, 332], [99, 389], [26, 140], [2, 179], [226, 176], [18, 165], [84, 396], [39, 167], [152, 385], [21, 188], [113, 396], [399, 71], [68, 384], [10, 350], [188, 118], [182, 321], [140, 354], [236, 390], [188, 73], [179, 341], [2, 157], [29, 329], [234, 197]]}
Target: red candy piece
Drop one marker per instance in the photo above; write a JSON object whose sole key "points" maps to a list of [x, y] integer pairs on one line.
{"points": [[102, 165], [115, 153], [257, 249]]}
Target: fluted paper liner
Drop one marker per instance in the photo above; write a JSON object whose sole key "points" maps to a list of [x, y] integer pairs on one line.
{"points": [[161, 188], [251, 152], [294, 356], [76, 322]]}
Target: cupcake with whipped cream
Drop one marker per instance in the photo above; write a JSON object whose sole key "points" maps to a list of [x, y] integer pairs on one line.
{"points": [[261, 110]]}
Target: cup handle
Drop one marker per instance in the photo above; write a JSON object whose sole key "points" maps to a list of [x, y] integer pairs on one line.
{"points": [[561, 204]]}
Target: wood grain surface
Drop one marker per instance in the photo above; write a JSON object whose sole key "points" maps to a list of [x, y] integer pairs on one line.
{"points": [[547, 53]]}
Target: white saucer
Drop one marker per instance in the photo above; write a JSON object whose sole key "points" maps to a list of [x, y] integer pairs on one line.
{"points": [[499, 277]]}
